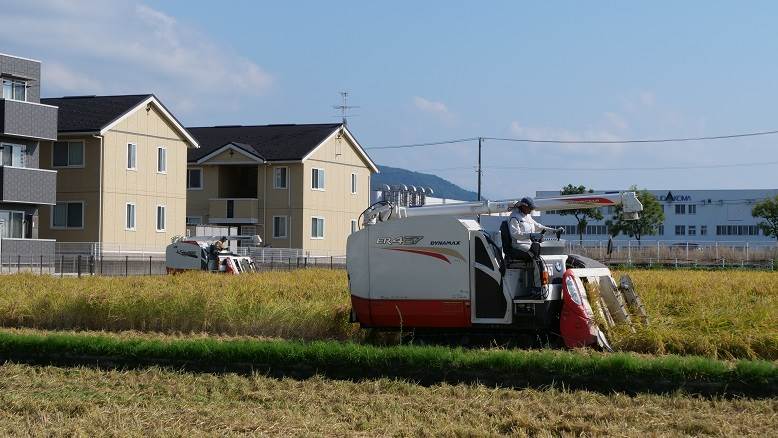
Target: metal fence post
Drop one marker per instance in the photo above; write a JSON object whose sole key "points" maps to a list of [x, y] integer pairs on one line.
{"points": [[331, 263], [18, 263], [126, 265], [149, 265], [101, 264], [41, 264], [61, 266], [78, 267]]}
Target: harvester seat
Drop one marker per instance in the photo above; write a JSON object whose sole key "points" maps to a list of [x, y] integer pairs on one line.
{"points": [[513, 255]]}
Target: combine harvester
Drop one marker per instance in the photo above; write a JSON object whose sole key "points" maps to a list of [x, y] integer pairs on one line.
{"points": [[435, 271], [198, 253]]}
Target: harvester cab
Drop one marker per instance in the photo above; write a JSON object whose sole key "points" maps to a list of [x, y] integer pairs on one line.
{"points": [[207, 253], [453, 269]]}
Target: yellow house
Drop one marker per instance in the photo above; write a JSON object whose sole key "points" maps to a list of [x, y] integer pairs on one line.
{"points": [[296, 186], [121, 174]]}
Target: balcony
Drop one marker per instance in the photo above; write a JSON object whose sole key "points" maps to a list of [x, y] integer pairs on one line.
{"points": [[28, 120], [28, 185], [233, 211]]}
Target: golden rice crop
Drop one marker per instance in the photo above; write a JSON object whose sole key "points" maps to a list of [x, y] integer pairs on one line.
{"points": [[305, 304], [721, 314], [724, 314]]}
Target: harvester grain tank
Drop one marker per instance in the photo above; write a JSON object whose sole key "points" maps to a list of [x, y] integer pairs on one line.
{"points": [[437, 269]]}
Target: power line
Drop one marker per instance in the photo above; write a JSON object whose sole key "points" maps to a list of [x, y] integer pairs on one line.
{"points": [[416, 145], [597, 169], [540, 140], [654, 140]]}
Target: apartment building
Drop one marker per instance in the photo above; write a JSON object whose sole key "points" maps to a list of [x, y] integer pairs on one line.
{"points": [[24, 187], [121, 174], [296, 186]]}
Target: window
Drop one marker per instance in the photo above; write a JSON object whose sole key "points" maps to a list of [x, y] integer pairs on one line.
{"points": [[661, 231], [737, 230], [354, 226], [68, 154], [703, 230], [194, 179], [317, 228], [194, 220], [13, 154], [680, 208], [692, 230], [132, 156], [279, 177], [680, 230], [279, 227], [14, 89], [353, 183], [317, 179], [692, 209], [160, 218], [12, 224], [129, 223], [68, 215], [161, 159]]}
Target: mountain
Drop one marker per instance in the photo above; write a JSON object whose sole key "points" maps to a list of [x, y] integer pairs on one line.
{"points": [[441, 187]]}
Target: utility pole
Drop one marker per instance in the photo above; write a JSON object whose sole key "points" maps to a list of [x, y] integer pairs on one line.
{"points": [[479, 167], [344, 107]]}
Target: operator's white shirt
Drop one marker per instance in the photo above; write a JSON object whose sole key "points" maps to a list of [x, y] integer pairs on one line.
{"points": [[521, 226]]}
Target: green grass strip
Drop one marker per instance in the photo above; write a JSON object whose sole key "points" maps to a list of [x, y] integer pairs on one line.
{"points": [[618, 371]]}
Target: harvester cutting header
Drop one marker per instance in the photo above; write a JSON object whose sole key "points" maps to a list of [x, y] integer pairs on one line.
{"points": [[457, 269]]}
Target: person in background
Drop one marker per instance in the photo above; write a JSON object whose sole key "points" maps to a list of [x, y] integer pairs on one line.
{"points": [[221, 244]]}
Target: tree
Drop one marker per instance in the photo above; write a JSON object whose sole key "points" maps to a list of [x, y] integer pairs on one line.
{"points": [[768, 210], [651, 218], [581, 215]]}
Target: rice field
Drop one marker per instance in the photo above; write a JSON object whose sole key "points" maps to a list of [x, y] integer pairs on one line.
{"points": [[53, 401], [717, 314]]}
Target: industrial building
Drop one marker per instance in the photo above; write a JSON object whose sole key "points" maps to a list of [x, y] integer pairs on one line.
{"points": [[694, 216]]}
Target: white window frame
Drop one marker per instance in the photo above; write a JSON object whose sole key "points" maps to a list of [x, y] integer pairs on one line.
{"points": [[320, 171], [353, 183], [199, 220], [134, 156], [200, 169], [70, 166], [286, 228], [323, 227], [354, 226], [164, 218], [134, 217], [286, 178], [83, 214], [13, 82], [162, 149]]}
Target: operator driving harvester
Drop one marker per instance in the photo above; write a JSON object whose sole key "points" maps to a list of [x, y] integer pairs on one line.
{"points": [[208, 253], [437, 269]]}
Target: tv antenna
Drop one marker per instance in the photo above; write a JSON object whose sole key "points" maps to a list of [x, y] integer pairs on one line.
{"points": [[344, 107]]}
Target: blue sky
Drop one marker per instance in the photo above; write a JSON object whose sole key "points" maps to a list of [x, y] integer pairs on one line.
{"points": [[425, 71]]}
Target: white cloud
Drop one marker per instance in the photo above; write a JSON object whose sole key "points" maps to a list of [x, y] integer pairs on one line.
{"points": [[122, 46], [430, 106], [61, 77]]}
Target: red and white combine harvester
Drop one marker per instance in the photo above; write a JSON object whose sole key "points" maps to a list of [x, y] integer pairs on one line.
{"points": [[436, 270], [200, 253]]}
